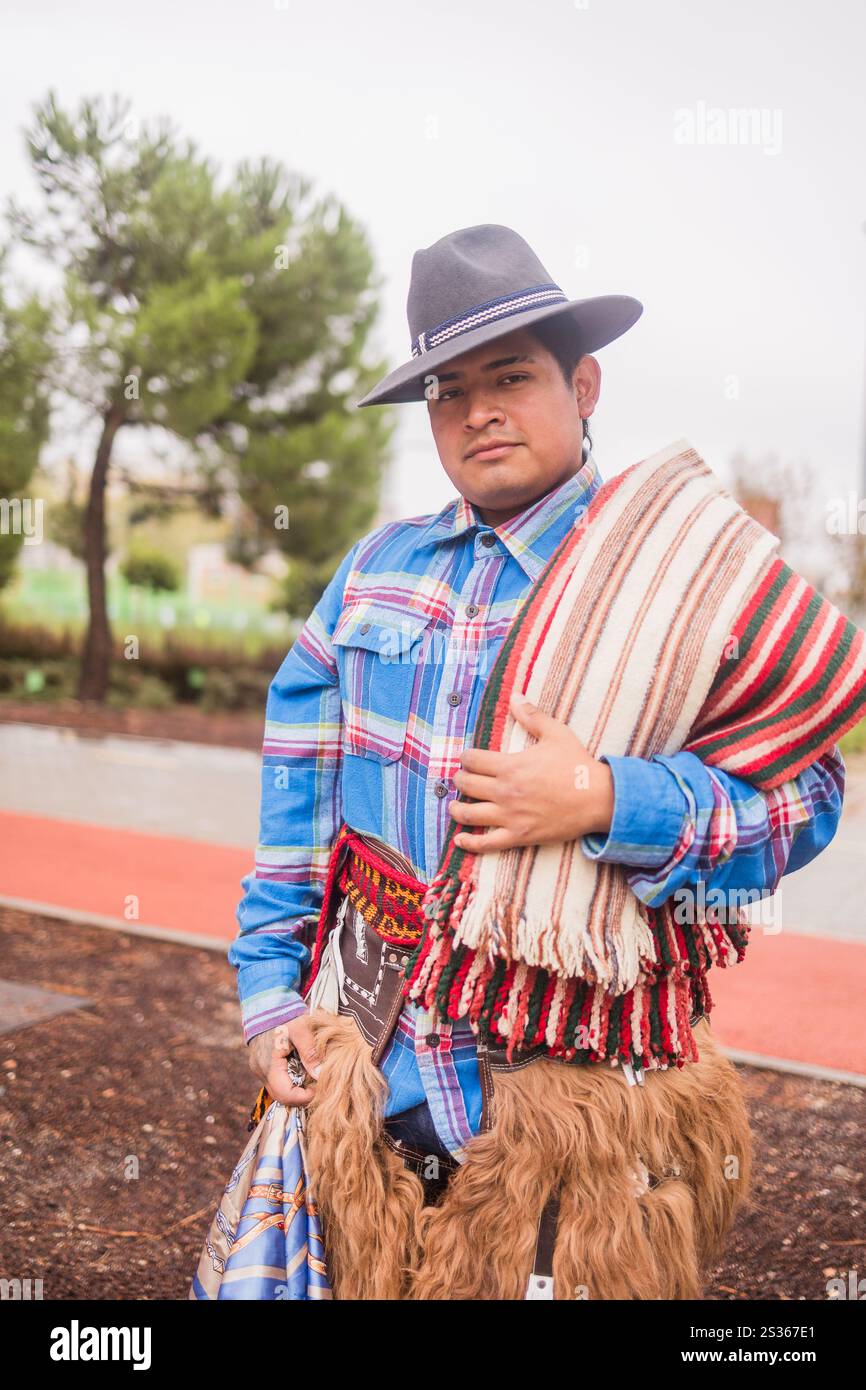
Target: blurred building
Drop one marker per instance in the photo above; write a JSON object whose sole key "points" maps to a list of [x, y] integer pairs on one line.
{"points": [[211, 578]]}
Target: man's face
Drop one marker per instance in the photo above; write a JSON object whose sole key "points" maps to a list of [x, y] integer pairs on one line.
{"points": [[510, 392]]}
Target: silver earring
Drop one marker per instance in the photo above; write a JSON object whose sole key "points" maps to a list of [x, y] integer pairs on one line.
{"points": [[586, 448]]}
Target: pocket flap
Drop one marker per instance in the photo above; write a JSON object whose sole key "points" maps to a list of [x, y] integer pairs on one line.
{"points": [[379, 630]]}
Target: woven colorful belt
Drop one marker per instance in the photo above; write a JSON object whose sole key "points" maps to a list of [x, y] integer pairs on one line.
{"points": [[387, 903]]}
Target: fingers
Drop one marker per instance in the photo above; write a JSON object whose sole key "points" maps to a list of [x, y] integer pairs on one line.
{"points": [[280, 1041], [481, 844], [484, 760], [474, 784], [280, 1087], [476, 813], [268, 1053], [303, 1040], [261, 1053], [534, 720]]}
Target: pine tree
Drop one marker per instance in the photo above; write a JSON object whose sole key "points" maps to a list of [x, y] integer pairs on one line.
{"points": [[232, 317]]}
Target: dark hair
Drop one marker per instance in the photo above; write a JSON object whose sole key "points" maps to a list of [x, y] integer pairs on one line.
{"points": [[561, 336]]}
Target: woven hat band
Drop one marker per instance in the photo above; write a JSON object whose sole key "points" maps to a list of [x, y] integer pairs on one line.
{"points": [[500, 308]]}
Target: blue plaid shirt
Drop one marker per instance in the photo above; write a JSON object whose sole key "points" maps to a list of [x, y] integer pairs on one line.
{"points": [[365, 722]]}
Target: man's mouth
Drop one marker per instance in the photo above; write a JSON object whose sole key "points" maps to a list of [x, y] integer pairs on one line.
{"points": [[494, 452]]}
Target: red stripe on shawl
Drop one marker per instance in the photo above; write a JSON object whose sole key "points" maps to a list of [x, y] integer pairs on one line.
{"points": [[599, 501], [515, 656], [793, 722], [738, 634]]}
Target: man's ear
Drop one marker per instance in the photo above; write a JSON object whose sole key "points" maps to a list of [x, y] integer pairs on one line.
{"points": [[587, 384]]}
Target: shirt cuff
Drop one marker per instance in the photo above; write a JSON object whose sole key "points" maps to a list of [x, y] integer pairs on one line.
{"points": [[649, 809], [268, 995]]}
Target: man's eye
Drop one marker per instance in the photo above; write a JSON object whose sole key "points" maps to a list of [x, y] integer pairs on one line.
{"points": [[451, 391]]}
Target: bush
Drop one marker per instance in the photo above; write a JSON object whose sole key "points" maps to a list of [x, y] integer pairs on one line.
{"points": [[35, 642], [138, 689], [152, 569], [26, 678], [158, 680], [239, 689]]}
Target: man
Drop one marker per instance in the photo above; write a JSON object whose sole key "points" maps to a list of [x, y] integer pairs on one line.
{"points": [[376, 740]]}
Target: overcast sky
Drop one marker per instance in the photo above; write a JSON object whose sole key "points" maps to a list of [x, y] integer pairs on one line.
{"points": [[585, 126]]}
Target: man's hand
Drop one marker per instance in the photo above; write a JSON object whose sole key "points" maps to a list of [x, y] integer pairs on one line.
{"points": [[268, 1052], [553, 790]]}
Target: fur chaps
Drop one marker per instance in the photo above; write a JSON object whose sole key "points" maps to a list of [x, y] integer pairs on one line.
{"points": [[625, 1231]]}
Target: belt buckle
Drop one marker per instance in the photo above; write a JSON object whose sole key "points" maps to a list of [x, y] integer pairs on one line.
{"points": [[539, 1286]]}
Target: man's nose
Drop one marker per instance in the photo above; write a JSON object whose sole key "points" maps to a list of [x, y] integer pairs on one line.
{"points": [[481, 407]]}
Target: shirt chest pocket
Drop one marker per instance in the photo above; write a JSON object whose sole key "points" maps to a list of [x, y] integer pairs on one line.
{"points": [[379, 657]]}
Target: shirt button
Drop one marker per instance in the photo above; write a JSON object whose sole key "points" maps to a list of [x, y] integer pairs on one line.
{"points": [[432, 1040], [471, 609], [393, 957], [440, 789], [365, 627], [455, 697], [488, 538]]}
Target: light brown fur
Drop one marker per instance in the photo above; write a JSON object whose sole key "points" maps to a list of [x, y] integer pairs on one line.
{"points": [[368, 1199], [578, 1128]]}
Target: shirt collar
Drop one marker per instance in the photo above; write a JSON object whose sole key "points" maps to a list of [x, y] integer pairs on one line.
{"points": [[532, 535]]}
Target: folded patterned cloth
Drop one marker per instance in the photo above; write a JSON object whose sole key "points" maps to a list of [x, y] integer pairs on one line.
{"points": [[265, 1239], [666, 620]]}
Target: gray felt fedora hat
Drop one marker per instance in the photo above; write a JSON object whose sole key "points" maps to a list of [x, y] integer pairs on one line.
{"points": [[476, 284]]}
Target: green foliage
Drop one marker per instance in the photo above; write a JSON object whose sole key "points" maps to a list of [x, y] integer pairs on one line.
{"points": [[854, 741], [133, 687], [178, 654], [65, 526], [235, 689], [25, 356], [233, 315], [33, 642], [37, 665], [322, 479], [28, 678], [151, 568], [190, 346]]}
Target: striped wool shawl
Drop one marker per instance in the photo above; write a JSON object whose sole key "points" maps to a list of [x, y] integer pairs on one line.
{"points": [[665, 620]]}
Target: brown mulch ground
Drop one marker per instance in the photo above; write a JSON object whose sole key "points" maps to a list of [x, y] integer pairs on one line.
{"points": [[242, 729], [120, 1124]]}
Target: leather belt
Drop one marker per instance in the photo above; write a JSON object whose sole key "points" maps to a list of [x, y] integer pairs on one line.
{"points": [[540, 1283]]}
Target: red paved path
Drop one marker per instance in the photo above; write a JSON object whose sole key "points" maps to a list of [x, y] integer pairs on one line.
{"points": [[800, 998], [185, 885]]}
